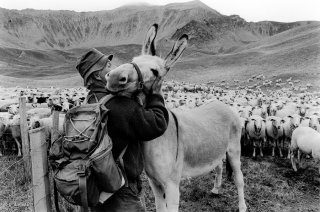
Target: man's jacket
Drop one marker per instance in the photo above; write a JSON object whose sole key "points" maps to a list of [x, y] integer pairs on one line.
{"points": [[131, 124]]}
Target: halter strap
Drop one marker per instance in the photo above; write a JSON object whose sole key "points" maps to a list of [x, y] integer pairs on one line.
{"points": [[141, 87], [140, 79]]}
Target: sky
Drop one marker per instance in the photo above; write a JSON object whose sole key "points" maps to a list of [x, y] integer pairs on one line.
{"points": [[250, 10]]}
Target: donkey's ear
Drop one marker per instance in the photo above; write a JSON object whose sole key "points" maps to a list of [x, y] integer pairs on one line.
{"points": [[176, 51], [148, 46]]}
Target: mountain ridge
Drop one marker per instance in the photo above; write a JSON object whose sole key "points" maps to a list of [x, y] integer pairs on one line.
{"points": [[44, 47], [208, 29]]}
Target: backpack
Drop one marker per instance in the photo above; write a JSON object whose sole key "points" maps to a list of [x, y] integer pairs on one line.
{"points": [[85, 171]]}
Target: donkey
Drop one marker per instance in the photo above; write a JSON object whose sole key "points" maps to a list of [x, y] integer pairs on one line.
{"points": [[194, 143]]}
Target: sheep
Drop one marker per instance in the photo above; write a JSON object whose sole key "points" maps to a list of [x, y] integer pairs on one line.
{"points": [[14, 108], [4, 125], [285, 112], [273, 109], [305, 122], [314, 122], [305, 140], [290, 123], [36, 122], [274, 131], [244, 138], [256, 132], [41, 112], [5, 104], [302, 109], [260, 111], [15, 130], [313, 111]]}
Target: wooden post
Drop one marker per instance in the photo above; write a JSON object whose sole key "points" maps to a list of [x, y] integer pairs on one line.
{"points": [[25, 138], [40, 171], [55, 126]]}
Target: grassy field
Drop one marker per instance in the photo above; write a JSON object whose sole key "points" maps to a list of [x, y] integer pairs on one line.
{"points": [[270, 185]]}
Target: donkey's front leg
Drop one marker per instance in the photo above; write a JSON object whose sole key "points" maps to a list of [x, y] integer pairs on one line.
{"points": [[172, 196]]}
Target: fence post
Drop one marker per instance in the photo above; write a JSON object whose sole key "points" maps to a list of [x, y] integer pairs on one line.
{"points": [[25, 138], [55, 126], [40, 171]]}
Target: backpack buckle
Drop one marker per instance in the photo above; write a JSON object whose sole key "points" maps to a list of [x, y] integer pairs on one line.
{"points": [[82, 171]]}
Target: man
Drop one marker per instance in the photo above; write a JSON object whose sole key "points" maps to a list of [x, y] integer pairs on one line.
{"points": [[93, 66], [130, 124]]}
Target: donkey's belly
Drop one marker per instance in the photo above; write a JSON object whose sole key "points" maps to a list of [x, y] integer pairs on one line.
{"points": [[201, 168], [204, 134], [203, 153]]}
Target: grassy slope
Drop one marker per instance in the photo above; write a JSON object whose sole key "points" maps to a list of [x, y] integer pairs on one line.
{"points": [[293, 53]]}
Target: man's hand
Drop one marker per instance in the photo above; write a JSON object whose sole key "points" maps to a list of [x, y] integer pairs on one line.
{"points": [[156, 87]]}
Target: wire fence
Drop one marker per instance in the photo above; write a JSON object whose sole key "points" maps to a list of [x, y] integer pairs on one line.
{"points": [[26, 187], [13, 185]]}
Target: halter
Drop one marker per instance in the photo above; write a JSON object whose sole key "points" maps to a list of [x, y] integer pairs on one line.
{"points": [[141, 86], [140, 79]]}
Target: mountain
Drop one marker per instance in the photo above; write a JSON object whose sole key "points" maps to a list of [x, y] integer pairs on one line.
{"points": [[208, 29], [45, 44], [67, 29]]}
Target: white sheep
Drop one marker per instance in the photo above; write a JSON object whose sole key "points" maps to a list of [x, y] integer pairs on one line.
{"points": [[305, 140], [15, 129], [4, 126], [256, 131], [274, 130], [36, 122]]}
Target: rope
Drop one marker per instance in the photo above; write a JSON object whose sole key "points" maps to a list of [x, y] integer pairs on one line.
{"points": [[81, 133]]}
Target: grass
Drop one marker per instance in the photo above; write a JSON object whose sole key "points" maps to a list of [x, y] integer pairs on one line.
{"points": [[15, 191], [270, 185]]}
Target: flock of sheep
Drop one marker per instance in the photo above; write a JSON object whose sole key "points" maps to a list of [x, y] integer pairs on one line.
{"points": [[284, 120]]}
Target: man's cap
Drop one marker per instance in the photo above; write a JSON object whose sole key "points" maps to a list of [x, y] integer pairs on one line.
{"points": [[92, 58]]}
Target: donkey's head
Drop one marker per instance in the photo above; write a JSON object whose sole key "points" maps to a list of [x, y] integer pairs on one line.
{"points": [[139, 75]]}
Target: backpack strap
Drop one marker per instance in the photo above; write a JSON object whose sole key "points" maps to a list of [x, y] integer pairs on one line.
{"points": [[105, 99], [122, 165], [95, 97], [83, 192], [88, 98], [55, 194]]}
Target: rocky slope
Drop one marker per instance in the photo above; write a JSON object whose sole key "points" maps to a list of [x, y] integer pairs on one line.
{"points": [[45, 45], [208, 29]]}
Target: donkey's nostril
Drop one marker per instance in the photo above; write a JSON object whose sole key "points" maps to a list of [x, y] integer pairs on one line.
{"points": [[123, 79]]}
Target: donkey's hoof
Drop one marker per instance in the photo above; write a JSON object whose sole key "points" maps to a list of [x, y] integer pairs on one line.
{"points": [[242, 210], [215, 191]]}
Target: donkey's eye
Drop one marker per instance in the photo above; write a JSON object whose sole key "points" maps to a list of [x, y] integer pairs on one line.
{"points": [[155, 72]]}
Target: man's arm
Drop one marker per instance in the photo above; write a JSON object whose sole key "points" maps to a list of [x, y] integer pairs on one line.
{"points": [[152, 121]]}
